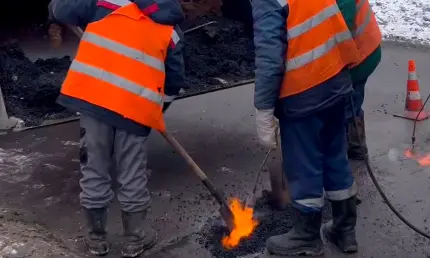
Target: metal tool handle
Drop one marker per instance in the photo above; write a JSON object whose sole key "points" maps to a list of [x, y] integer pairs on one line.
{"points": [[254, 189]]}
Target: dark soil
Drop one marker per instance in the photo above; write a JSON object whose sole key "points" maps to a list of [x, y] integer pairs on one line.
{"points": [[30, 89], [273, 222], [222, 50]]}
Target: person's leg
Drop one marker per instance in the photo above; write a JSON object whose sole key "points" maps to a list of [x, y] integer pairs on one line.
{"points": [[302, 157], [96, 139], [339, 184], [131, 158], [357, 135]]}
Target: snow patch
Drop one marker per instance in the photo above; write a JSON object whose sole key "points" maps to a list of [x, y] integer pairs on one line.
{"points": [[405, 20]]}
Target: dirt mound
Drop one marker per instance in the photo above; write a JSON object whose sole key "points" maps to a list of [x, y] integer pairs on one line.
{"points": [[221, 50], [272, 222], [30, 89]]}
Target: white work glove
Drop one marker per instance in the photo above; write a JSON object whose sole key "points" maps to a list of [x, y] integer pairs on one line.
{"points": [[267, 127]]}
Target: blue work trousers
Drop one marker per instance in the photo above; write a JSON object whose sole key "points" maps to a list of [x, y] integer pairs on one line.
{"points": [[315, 158]]}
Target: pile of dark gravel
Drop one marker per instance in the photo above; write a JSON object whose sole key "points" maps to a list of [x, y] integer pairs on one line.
{"points": [[273, 222], [31, 88], [224, 50]]}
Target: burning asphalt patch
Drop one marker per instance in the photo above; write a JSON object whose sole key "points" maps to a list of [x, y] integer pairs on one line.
{"points": [[271, 222]]}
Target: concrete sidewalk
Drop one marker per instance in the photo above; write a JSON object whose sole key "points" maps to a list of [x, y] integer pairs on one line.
{"points": [[39, 173]]}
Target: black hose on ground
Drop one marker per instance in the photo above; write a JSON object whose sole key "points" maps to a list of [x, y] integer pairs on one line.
{"points": [[416, 120], [374, 180]]}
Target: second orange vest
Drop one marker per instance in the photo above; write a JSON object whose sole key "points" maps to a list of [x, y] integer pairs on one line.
{"points": [[320, 45], [367, 34]]}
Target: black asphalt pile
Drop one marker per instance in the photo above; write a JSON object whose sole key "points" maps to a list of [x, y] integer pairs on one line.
{"points": [[273, 222], [222, 50], [30, 88]]}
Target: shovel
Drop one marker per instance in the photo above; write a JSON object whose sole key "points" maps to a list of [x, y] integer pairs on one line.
{"points": [[224, 210]]}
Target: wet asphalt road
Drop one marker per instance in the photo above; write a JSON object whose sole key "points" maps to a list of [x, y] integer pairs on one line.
{"points": [[39, 170]]}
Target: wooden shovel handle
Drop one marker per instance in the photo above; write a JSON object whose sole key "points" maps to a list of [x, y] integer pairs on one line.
{"points": [[183, 153], [218, 194]]}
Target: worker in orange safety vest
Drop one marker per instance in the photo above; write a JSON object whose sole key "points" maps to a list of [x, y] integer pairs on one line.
{"points": [[368, 38], [303, 52], [128, 68]]}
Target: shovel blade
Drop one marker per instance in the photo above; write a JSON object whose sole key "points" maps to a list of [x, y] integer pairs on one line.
{"points": [[227, 216]]}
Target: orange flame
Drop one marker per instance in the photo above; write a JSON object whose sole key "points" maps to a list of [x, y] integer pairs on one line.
{"points": [[423, 160], [244, 224]]}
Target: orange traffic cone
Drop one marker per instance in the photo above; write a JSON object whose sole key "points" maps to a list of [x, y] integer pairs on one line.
{"points": [[413, 103]]}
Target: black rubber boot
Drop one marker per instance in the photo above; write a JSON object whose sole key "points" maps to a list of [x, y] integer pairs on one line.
{"points": [[96, 239], [341, 231], [303, 239], [138, 236], [355, 151]]}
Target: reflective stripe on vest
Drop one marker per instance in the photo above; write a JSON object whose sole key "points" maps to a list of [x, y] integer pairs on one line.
{"points": [[359, 28], [367, 34], [321, 50], [317, 52], [118, 81], [319, 45], [123, 70], [313, 21], [123, 50]]}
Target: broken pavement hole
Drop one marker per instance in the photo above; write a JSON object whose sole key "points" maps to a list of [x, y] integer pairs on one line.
{"points": [[272, 222]]}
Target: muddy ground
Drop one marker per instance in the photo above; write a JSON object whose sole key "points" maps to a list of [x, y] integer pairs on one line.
{"points": [[37, 242], [221, 51], [39, 175]]}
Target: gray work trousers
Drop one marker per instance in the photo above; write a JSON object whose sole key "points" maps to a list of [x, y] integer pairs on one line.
{"points": [[103, 147]]}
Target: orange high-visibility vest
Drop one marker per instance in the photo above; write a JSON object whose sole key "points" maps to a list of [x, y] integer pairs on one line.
{"points": [[119, 65], [367, 34], [320, 45]]}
